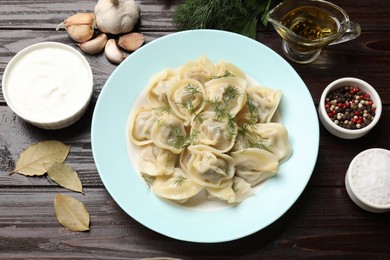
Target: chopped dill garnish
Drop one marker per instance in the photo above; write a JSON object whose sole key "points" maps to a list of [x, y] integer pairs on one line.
{"points": [[171, 160], [177, 138], [198, 117], [231, 92], [253, 139], [164, 109], [222, 114], [253, 115], [217, 129], [179, 180], [148, 179], [188, 105], [194, 137], [219, 108], [224, 75], [192, 90]]}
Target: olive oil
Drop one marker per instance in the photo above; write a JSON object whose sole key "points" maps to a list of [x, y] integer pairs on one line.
{"points": [[310, 22]]}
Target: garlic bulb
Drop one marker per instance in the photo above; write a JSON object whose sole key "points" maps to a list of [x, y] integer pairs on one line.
{"points": [[116, 16]]}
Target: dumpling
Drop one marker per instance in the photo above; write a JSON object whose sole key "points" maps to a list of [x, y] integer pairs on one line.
{"points": [[177, 187], [141, 124], [155, 161], [184, 159], [169, 133], [157, 89], [248, 114], [237, 192], [242, 189], [226, 94], [225, 193], [275, 135], [201, 70], [229, 69], [255, 165], [219, 133], [210, 168], [265, 100], [186, 98]]}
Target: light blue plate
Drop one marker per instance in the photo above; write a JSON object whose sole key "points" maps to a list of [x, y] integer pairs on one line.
{"points": [[126, 187]]}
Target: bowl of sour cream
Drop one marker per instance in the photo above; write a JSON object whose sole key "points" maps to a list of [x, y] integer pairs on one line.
{"points": [[48, 84], [368, 180]]}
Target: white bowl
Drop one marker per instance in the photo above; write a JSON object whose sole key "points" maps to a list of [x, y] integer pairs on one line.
{"points": [[48, 84], [368, 180], [338, 130]]}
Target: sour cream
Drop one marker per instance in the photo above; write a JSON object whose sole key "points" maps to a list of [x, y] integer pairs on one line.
{"points": [[48, 84]]}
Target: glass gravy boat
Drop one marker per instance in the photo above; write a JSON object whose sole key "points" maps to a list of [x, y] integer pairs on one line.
{"points": [[306, 26]]}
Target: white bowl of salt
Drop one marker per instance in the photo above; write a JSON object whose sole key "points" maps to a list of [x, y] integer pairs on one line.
{"points": [[368, 180]]}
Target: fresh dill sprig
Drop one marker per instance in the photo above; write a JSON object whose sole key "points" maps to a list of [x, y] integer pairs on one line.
{"points": [[192, 90], [222, 114], [224, 75], [230, 15], [231, 92], [163, 109], [193, 138], [188, 105], [198, 117], [171, 160], [177, 138], [179, 180], [148, 179], [253, 114], [253, 139]]}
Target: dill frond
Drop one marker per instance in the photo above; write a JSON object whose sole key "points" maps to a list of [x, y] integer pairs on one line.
{"points": [[231, 92], [179, 180]]}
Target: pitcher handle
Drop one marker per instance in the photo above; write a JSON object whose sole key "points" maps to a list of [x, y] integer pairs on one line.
{"points": [[353, 31]]}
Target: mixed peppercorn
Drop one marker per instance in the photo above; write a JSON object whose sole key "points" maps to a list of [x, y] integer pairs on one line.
{"points": [[350, 107]]}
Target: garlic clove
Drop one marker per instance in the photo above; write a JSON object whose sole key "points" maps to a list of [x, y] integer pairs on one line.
{"points": [[131, 41], [113, 53], [80, 33], [78, 19], [95, 45]]}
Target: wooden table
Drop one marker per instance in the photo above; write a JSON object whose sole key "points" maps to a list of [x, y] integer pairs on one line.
{"points": [[324, 222]]}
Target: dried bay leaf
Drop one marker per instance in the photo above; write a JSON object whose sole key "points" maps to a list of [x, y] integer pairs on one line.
{"points": [[71, 213], [64, 176], [31, 161]]}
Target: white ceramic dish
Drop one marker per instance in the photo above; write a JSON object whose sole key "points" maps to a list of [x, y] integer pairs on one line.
{"points": [[109, 137], [48, 84], [338, 130], [367, 186]]}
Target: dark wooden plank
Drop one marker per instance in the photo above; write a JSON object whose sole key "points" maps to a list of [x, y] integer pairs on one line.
{"points": [[28, 228]]}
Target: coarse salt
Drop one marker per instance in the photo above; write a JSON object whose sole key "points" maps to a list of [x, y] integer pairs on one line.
{"points": [[370, 172]]}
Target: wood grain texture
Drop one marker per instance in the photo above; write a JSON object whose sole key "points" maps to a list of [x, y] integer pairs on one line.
{"points": [[324, 223], [336, 230]]}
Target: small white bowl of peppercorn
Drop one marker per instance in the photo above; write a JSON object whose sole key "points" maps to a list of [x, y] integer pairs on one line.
{"points": [[349, 108]]}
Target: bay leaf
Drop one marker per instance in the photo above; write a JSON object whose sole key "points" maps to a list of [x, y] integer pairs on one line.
{"points": [[31, 160], [71, 213], [64, 176]]}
